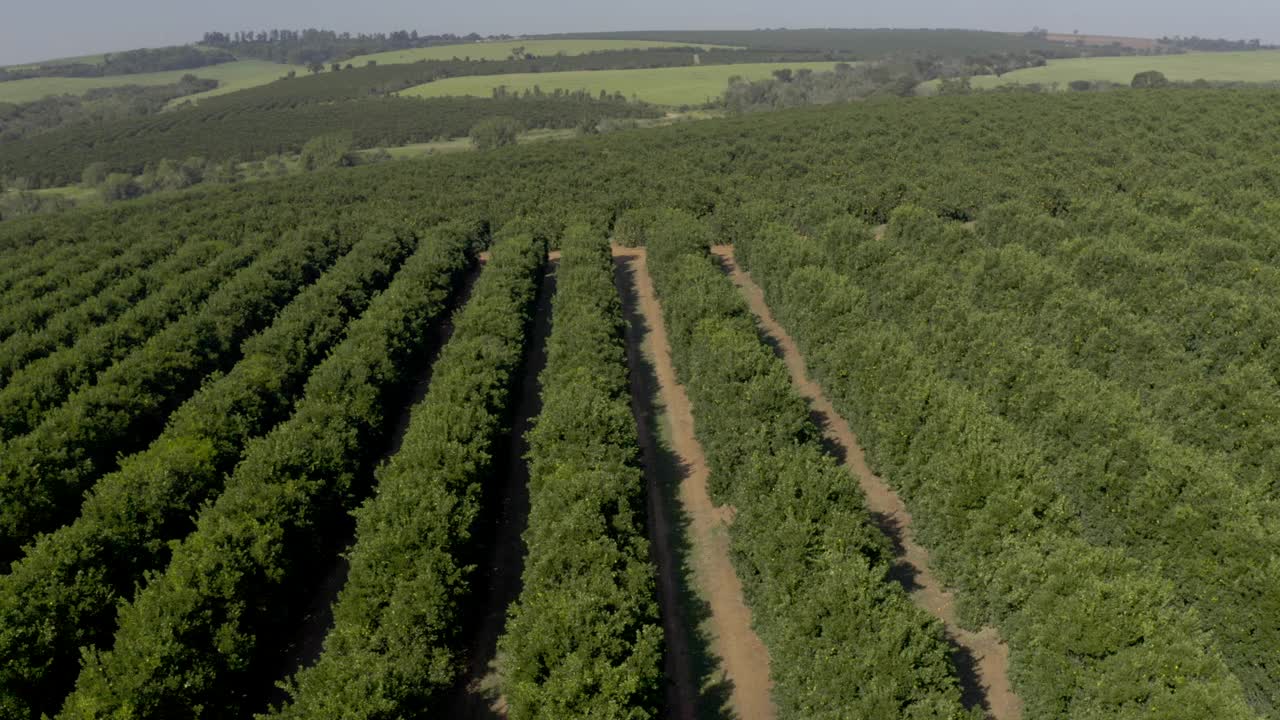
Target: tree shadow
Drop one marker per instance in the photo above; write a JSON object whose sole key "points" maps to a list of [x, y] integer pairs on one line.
{"points": [[691, 666]]}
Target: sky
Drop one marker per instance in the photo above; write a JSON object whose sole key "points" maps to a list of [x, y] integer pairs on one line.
{"points": [[44, 30]]}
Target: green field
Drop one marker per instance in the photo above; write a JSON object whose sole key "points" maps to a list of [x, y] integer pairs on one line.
{"points": [[502, 50], [230, 76], [1257, 66], [662, 86]]}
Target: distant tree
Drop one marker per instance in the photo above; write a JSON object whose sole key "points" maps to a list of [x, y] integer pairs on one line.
{"points": [[119, 186], [783, 75], [315, 67], [1149, 79], [955, 86], [336, 67], [1080, 85], [94, 174], [328, 151], [495, 132]]}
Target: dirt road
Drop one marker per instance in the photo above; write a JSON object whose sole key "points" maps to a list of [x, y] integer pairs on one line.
{"points": [[743, 657], [982, 657]]}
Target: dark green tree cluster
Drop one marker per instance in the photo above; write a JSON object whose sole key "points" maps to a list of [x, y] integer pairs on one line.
{"points": [[42, 385], [130, 62], [844, 639], [250, 131], [71, 323], [43, 473], [395, 644], [583, 638], [1093, 630], [61, 595], [23, 120], [198, 634]]}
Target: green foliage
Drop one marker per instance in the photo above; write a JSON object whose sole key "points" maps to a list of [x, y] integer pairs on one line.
{"points": [[119, 186], [495, 133], [985, 493], [43, 473], [583, 639], [42, 385], [62, 595], [394, 645], [327, 151], [1149, 79], [191, 637], [844, 639]]}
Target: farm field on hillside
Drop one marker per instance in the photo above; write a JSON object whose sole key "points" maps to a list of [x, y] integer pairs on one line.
{"points": [[230, 76], [1256, 66], [662, 86], [952, 408], [502, 50]]}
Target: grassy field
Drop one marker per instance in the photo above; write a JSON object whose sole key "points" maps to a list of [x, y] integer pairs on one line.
{"points": [[1258, 66], [502, 50], [230, 76], [662, 86]]}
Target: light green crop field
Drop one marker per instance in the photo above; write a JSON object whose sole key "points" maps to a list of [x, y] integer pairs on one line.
{"points": [[502, 50], [230, 76], [661, 86], [1257, 66]]}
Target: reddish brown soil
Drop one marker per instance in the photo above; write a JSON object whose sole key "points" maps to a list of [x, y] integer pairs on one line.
{"points": [[745, 659], [681, 690], [989, 685]]}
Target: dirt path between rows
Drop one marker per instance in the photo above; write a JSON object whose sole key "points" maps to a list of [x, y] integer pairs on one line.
{"points": [[982, 658], [743, 657], [501, 551]]}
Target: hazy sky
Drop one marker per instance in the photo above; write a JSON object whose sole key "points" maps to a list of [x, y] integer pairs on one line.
{"points": [[42, 30]]}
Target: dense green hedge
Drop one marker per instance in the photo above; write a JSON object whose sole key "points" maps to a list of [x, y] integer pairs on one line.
{"points": [[254, 131], [123, 283], [43, 473], [394, 645], [1186, 512], [30, 313], [62, 595], [44, 384], [1093, 631], [583, 639], [844, 639], [198, 635]]}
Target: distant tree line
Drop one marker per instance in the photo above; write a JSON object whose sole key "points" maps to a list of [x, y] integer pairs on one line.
{"points": [[1200, 44], [23, 120], [224, 133], [133, 62], [304, 47]]}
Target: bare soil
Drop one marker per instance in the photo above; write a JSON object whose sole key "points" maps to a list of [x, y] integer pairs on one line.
{"points": [[743, 657], [982, 658]]}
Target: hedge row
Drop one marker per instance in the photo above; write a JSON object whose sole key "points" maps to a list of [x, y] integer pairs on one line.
{"points": [[394, 645], [62, 595], [202, 634], [1134, 486], [43, 385], [156, 263], [844, 639], [1093, 631], [30, 313], [43, 473], [584, 639], [59, 283]]}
